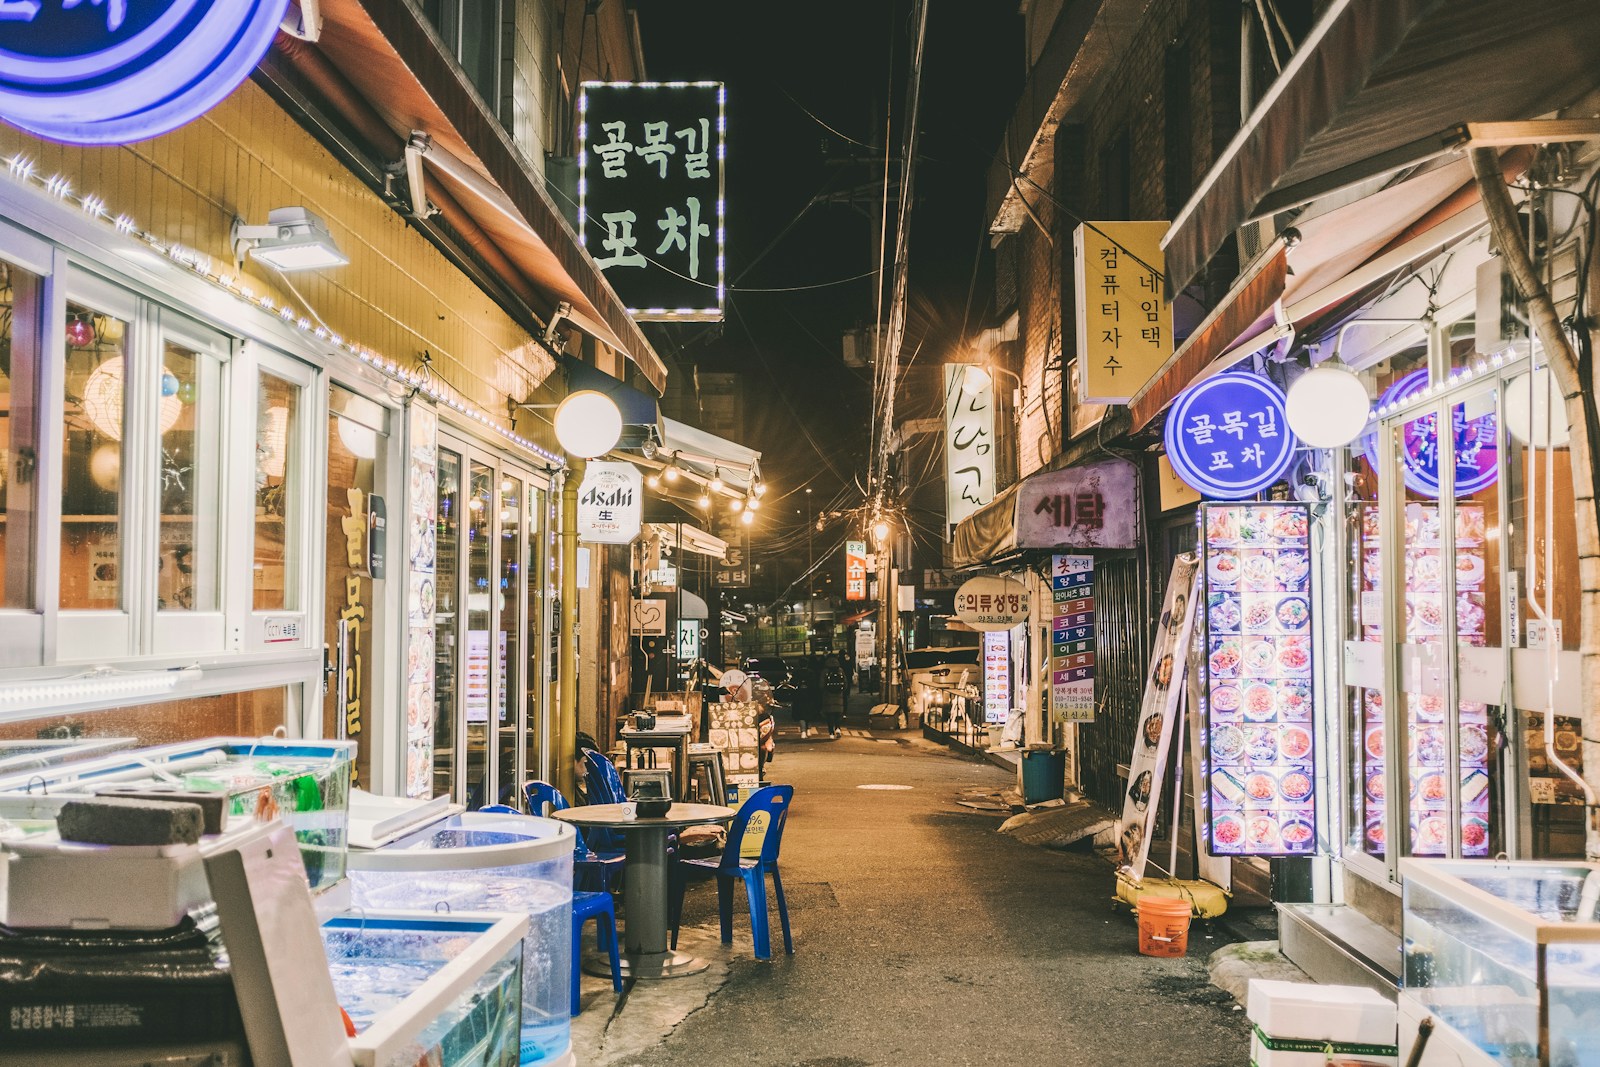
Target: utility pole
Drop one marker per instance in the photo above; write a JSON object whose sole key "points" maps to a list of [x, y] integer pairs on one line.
{"points": [[811, 579], [564, 737]]}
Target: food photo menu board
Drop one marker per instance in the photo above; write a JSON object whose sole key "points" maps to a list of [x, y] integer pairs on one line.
{"points": [[1426, 720], [1260, 762]]}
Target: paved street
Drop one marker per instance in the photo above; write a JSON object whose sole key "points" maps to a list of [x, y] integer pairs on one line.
{"points": [[922, 936]]}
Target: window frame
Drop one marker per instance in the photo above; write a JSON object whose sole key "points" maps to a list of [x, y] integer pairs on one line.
{"points": [[300, 527]]}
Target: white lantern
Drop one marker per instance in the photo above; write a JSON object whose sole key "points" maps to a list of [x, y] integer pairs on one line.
{"points": [[588, 424], [1327, 406], [1534, 411], [102, 400]]}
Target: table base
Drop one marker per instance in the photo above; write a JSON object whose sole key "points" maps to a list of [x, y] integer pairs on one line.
{"points": [[649, 966]]}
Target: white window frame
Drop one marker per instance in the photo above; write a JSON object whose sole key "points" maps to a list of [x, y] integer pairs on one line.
{"points": [[302, 555]]}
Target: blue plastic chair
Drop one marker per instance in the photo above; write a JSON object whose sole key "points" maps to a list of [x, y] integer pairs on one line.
{"points": [[585, 906], [605, 787], [772, 803], [536, 794], [601, 871]]}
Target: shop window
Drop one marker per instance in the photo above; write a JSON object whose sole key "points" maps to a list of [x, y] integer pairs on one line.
{"points": [[447, 623], [189, 466], [250, 714], [96, 369], [474, 32], [278, 481], [20, 304], [511, 683], [478, 671]]}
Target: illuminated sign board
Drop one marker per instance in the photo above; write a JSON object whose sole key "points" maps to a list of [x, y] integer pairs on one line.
{"points": [[968, 440], [103, 72], [855, 570], [650, 194], [1228, 436]]}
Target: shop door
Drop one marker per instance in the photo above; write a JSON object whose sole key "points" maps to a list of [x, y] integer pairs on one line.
{"points": [[357, 442]]}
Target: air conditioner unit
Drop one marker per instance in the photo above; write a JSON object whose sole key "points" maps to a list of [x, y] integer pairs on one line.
{"points": [[861, 346]]}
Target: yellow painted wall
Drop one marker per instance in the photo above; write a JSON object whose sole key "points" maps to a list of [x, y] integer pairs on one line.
{"points": [[398, 296]]}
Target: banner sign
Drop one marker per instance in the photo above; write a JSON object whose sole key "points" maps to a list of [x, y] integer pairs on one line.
{"points": [[1260, 703], [989, 604], [1093, 505], [1157, 717], [968, 440], [610, 503], [107, 72], [650, 194], [997, 676], [1124, 324], [1227, 436], [855, 570], [1072, 639]]}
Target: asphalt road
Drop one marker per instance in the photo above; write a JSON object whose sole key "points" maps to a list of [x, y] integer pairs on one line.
{"points": [[922, 937]]}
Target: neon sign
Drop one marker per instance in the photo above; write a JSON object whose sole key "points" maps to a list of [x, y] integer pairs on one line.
{"points": [[1476, 442], [99, 72], [1228, 436]]}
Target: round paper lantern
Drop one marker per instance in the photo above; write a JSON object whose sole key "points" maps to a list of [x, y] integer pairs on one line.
{"points": [[1327, 406], [102, 400], [1534, 411], [588, 424]]}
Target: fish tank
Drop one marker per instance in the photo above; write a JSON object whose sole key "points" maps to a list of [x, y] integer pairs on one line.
{"points": [[306, 783], [1505, 958], [446, 992], [495, 863]]}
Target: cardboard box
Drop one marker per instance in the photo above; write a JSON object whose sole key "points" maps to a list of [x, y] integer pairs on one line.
{"points": [[1344, 1015], [1288, 1052]]}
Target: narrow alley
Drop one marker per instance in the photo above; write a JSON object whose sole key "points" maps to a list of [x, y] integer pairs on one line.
{"points": [[921, 936]]}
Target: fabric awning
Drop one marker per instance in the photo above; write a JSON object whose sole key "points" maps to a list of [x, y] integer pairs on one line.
{"points": [[689, 605], [988, 533], [389, 57], [1327, 259], [641, 414], [694, 539], [1380, 85], [708, 455]]}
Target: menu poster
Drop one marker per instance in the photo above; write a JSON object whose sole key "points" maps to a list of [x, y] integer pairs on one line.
{"points": [[1260, 764], [1157, 716], [1072, 639], [997, 676]]}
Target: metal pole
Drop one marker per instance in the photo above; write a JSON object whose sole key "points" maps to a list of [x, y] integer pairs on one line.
{"points": [[563, 743]]}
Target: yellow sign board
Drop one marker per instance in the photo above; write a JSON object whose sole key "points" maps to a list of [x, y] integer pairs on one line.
{"points": [[1175, 492], [1124, 324]]}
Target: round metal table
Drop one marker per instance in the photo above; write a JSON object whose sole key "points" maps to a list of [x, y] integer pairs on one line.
{"points": [[644, 942]]}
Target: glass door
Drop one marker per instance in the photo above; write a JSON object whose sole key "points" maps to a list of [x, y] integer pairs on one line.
{"points": [[447, 623]]}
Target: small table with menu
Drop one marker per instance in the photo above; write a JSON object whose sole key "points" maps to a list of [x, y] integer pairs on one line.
{"points": [[644, 941]]}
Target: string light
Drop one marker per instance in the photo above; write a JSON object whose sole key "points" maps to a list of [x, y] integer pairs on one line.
{"points": [[22, 169]]}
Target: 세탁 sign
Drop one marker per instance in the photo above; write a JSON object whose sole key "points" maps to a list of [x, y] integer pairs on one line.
{"points": [[650, 194], [1093, 505]]}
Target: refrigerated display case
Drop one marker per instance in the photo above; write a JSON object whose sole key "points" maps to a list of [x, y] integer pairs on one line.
{"points": [[487, 862], [1505, 958]]}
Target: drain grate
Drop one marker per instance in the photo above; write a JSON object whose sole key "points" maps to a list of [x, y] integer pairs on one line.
{"points": [[802, 895]]}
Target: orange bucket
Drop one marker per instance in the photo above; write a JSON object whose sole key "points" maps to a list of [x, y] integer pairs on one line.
{"points": [[1164, 926]]}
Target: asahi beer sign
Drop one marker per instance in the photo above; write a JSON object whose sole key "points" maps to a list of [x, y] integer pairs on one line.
{"points": [[610, 503], [650, 194]]}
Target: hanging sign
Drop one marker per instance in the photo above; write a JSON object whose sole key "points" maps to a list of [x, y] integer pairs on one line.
{"points": [[997, 676], [648, 617], [1158, 715], [1227, 436], [1475, 435], [733, 569], [1072, 639], [1092, 505], [650, 194], [100, 72], [610, 503], [968, 440], [1260, 704], [688, 639], [855, 570], [989, 604], [1124, 324]]}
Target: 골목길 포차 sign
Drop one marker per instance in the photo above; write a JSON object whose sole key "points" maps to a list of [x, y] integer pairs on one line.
{"points": [[103, 72], [1228, 436]]}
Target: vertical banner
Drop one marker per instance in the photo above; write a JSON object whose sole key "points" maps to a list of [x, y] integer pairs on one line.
{"points": [[650, 194], [855, 570], [997, 676], [1072, 639], [1124, 324], [733, 570], [968, 440], [1157, 716], [422, 511], [1260, 703]]}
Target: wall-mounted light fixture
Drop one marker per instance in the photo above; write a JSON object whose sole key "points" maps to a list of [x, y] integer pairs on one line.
{"points": [[293, 239]]}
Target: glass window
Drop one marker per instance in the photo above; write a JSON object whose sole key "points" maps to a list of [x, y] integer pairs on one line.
{"points": [[251, 714], [189, 420], [278, 479], [446, 622], [510, 639], [478, 671], [481, 35], [20, 295], [96, 367], [538, 580]]}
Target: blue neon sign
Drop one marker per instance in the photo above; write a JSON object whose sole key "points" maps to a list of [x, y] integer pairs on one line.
{"points": [[1228, 436], [1476, 442], [101, 72]]}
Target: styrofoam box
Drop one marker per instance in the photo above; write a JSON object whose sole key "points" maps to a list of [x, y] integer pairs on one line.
{"points": [[1350, 1015], [1261, 1056]]}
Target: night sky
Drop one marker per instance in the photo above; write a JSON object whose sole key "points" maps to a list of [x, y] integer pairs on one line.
{"points": [[841, 60]]}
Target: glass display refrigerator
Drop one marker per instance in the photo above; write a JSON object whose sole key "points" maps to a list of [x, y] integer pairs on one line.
{"points": [[1504, 958]]}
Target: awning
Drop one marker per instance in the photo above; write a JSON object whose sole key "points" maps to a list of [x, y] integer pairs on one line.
{"points": [[641, 414], [689, 605], [694, 539], [387, 55], [708, 455], [988, 533], [1322, 262], [1381, 85], [1078, 507]]}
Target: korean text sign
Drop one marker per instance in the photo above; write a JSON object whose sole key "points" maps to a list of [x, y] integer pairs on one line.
{"points": [[855, 570], [1228, 437], [1072, 639], [1091, 505], [1124, 323], [991, 603], [650, 194], [968, 440]]}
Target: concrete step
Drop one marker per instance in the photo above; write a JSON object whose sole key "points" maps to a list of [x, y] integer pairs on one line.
{"points": [[1337, 945]]}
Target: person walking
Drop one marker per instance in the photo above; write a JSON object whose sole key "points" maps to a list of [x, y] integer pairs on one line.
{"points": [[807, 696], [833, 694]]}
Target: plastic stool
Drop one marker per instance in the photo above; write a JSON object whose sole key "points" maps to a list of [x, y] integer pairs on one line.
{"points": [[716, 784], [600, 908]]}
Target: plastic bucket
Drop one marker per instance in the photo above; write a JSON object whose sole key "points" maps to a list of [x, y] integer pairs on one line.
{"points": [[1164, 926]]}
